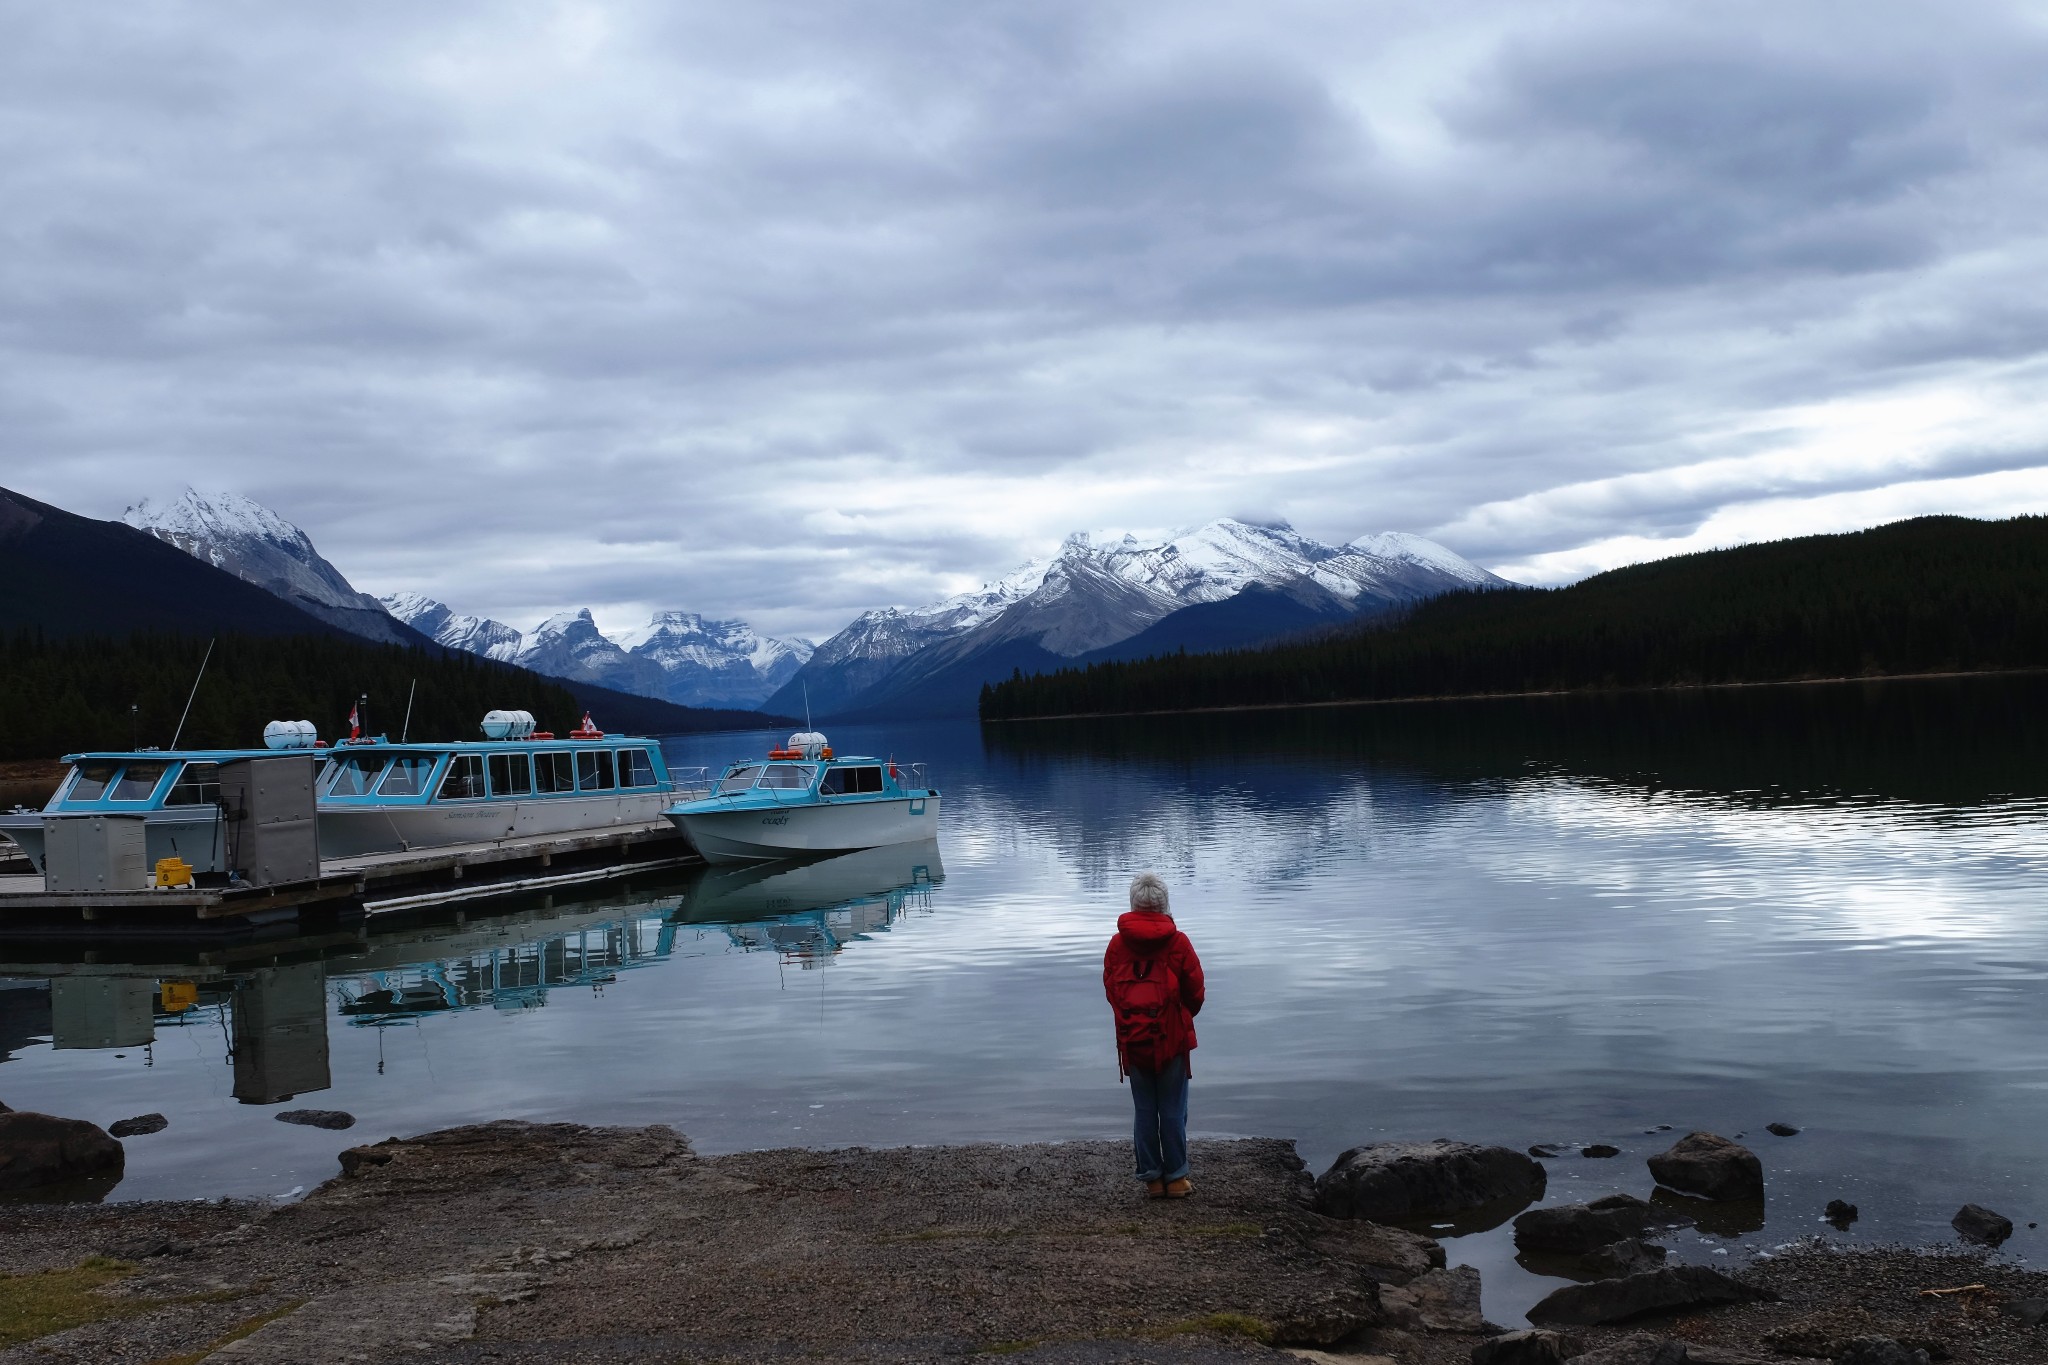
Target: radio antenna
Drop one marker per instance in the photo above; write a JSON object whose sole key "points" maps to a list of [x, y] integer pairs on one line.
{"points": [[406, 728], [807, 706], [180, 732]]}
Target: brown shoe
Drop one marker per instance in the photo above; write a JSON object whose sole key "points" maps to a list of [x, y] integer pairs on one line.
{"points": [[1155, 1189], [1180, 1189]]}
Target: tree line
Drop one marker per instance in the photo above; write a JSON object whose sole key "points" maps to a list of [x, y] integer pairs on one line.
{"points": [[1935, 594], [61, 696]]}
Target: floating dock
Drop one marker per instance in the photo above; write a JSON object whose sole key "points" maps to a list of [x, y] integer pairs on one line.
{"points": [[365, 886]]}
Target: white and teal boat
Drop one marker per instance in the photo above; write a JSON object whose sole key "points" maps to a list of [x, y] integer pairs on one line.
{"points": [[376, 796], [805, 801]]}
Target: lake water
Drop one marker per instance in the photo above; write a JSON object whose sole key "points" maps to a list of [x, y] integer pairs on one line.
{"points": [[1520, 922]]}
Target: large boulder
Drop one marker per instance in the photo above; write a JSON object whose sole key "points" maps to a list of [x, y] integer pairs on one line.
{"points": [[1391, 1182], [1670, 1290], [1439, 1301], [41, 1149], [1711, 1167], [1975, 1223], [1537, 1347], [1617, 1260], [1576, 1228]]}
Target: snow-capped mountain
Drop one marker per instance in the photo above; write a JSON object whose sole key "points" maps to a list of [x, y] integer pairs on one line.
{"points": [[1097, 592], [475, 634], [678, 656], [247, 539]]}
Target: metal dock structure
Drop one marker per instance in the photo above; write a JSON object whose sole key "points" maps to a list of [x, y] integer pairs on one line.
{"points": [[349, 888]]}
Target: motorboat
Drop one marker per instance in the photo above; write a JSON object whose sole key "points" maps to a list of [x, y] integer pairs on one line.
{"points": [[376, 796], [175, 792], [803, 801]]}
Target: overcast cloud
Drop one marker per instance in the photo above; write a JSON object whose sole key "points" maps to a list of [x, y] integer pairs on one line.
{"points": [[788, 310]]}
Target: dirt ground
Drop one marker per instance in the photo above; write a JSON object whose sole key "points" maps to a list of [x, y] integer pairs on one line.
{"points": [[518, 1242]]}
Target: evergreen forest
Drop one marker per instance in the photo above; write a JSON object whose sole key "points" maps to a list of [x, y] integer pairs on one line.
{"points": [[1931, 595]]}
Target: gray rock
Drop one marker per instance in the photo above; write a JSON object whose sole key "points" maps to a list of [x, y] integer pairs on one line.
{"points": [[1781, 1129], [1710, 1167], [318, 1118], [1639, 1349], [41, 1149], [139, 1125], [1537, 1347], [1575, 1228], [2030, 1312], [1392, 1181], [1880, 1351], [1441, 1301], [1629, 1256], [1670, 1290], [1547, 1149], [1975, 1223], [1840, 1213], [1388, 1255], [1599, 1149]]}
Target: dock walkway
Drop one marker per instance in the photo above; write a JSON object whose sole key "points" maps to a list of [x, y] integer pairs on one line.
{"points": [[369, 884]]}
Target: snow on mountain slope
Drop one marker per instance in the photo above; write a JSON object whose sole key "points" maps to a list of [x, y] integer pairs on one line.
{"points": [[247, 539], [715, 663], [1098, 591], [475, 634]]}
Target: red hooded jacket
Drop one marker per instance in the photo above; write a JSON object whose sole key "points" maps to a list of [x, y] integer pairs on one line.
{"points": [[1149, 933]]}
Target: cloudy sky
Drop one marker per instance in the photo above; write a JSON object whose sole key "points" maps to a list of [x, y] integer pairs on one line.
{"points": [[787, 310]]}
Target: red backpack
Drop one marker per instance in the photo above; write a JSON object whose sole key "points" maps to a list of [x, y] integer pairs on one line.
{"points": [[1143, 990]]}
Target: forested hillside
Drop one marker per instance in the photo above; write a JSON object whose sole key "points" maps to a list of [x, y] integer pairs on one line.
{"points": [[1929, 595], [63, 695]]}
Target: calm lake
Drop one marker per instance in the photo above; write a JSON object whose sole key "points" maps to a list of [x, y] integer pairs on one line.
{"points": [[1562, 921]]}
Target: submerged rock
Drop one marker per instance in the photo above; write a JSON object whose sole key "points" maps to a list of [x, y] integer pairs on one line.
{"points": [[1578, 1228], [318, 1118], [1670, 1290], [42, 1149], [139, 1125], [1781, 1129], [1547, 1149], [1840, 1213], [1599, 1149], [1975, 1223], [1629, 1256], [1711, 1167], [1391, 1181]]}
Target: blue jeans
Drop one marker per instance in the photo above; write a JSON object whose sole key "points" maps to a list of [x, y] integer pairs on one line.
{"points": [[1160, 1134]]}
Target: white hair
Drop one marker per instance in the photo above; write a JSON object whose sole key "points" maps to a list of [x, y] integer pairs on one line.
{"points": [[1149, 893]]}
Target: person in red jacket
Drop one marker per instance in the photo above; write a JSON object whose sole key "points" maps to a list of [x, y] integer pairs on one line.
{"points": [[1154, 984]]}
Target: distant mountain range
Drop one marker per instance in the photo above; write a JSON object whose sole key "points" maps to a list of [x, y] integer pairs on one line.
{"points": [[1223, 585]]}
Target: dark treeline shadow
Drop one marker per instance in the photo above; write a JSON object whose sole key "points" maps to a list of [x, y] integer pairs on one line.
{"points": [[1948, 742]]}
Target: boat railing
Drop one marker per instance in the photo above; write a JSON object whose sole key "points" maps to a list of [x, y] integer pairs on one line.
{"points": [[910, 775], [691, 784]]}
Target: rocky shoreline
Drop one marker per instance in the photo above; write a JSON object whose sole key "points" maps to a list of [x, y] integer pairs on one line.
{"points": [[525, 1242]]}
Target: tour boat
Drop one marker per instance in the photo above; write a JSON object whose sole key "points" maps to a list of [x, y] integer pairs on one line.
{"points": [[804, 800], [176, 792], [376, 796], [373, 795]]}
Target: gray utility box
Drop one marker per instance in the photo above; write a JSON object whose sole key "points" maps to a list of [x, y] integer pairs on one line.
{"points": [[102, 1011], [95, 853], [268, 830]]}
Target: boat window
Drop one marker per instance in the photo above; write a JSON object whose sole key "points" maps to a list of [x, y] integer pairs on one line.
{"points": [[594, 770], [465, 778], [738, 780], [355, 774], [553, 772], [198, 784], [510, 775], [92, 781], [788, 777], [846, 781], [636, 768], [138, 782], [408, 776]]}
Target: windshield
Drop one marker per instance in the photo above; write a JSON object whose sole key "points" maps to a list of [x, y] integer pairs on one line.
{"points": [[788, 777], [354, 775], [92, 781], [738, 780], [198, 785], [138, 781], [408, 775]]}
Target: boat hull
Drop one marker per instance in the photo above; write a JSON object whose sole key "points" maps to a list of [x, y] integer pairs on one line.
{"points": [[189, 832], [354, 831], [755, 834]]}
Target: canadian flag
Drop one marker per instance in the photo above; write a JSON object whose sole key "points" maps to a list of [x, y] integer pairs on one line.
{"points": [[355, 725]]}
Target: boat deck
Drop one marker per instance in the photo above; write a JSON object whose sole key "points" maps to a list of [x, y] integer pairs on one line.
{"points": [[368, 884]]}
